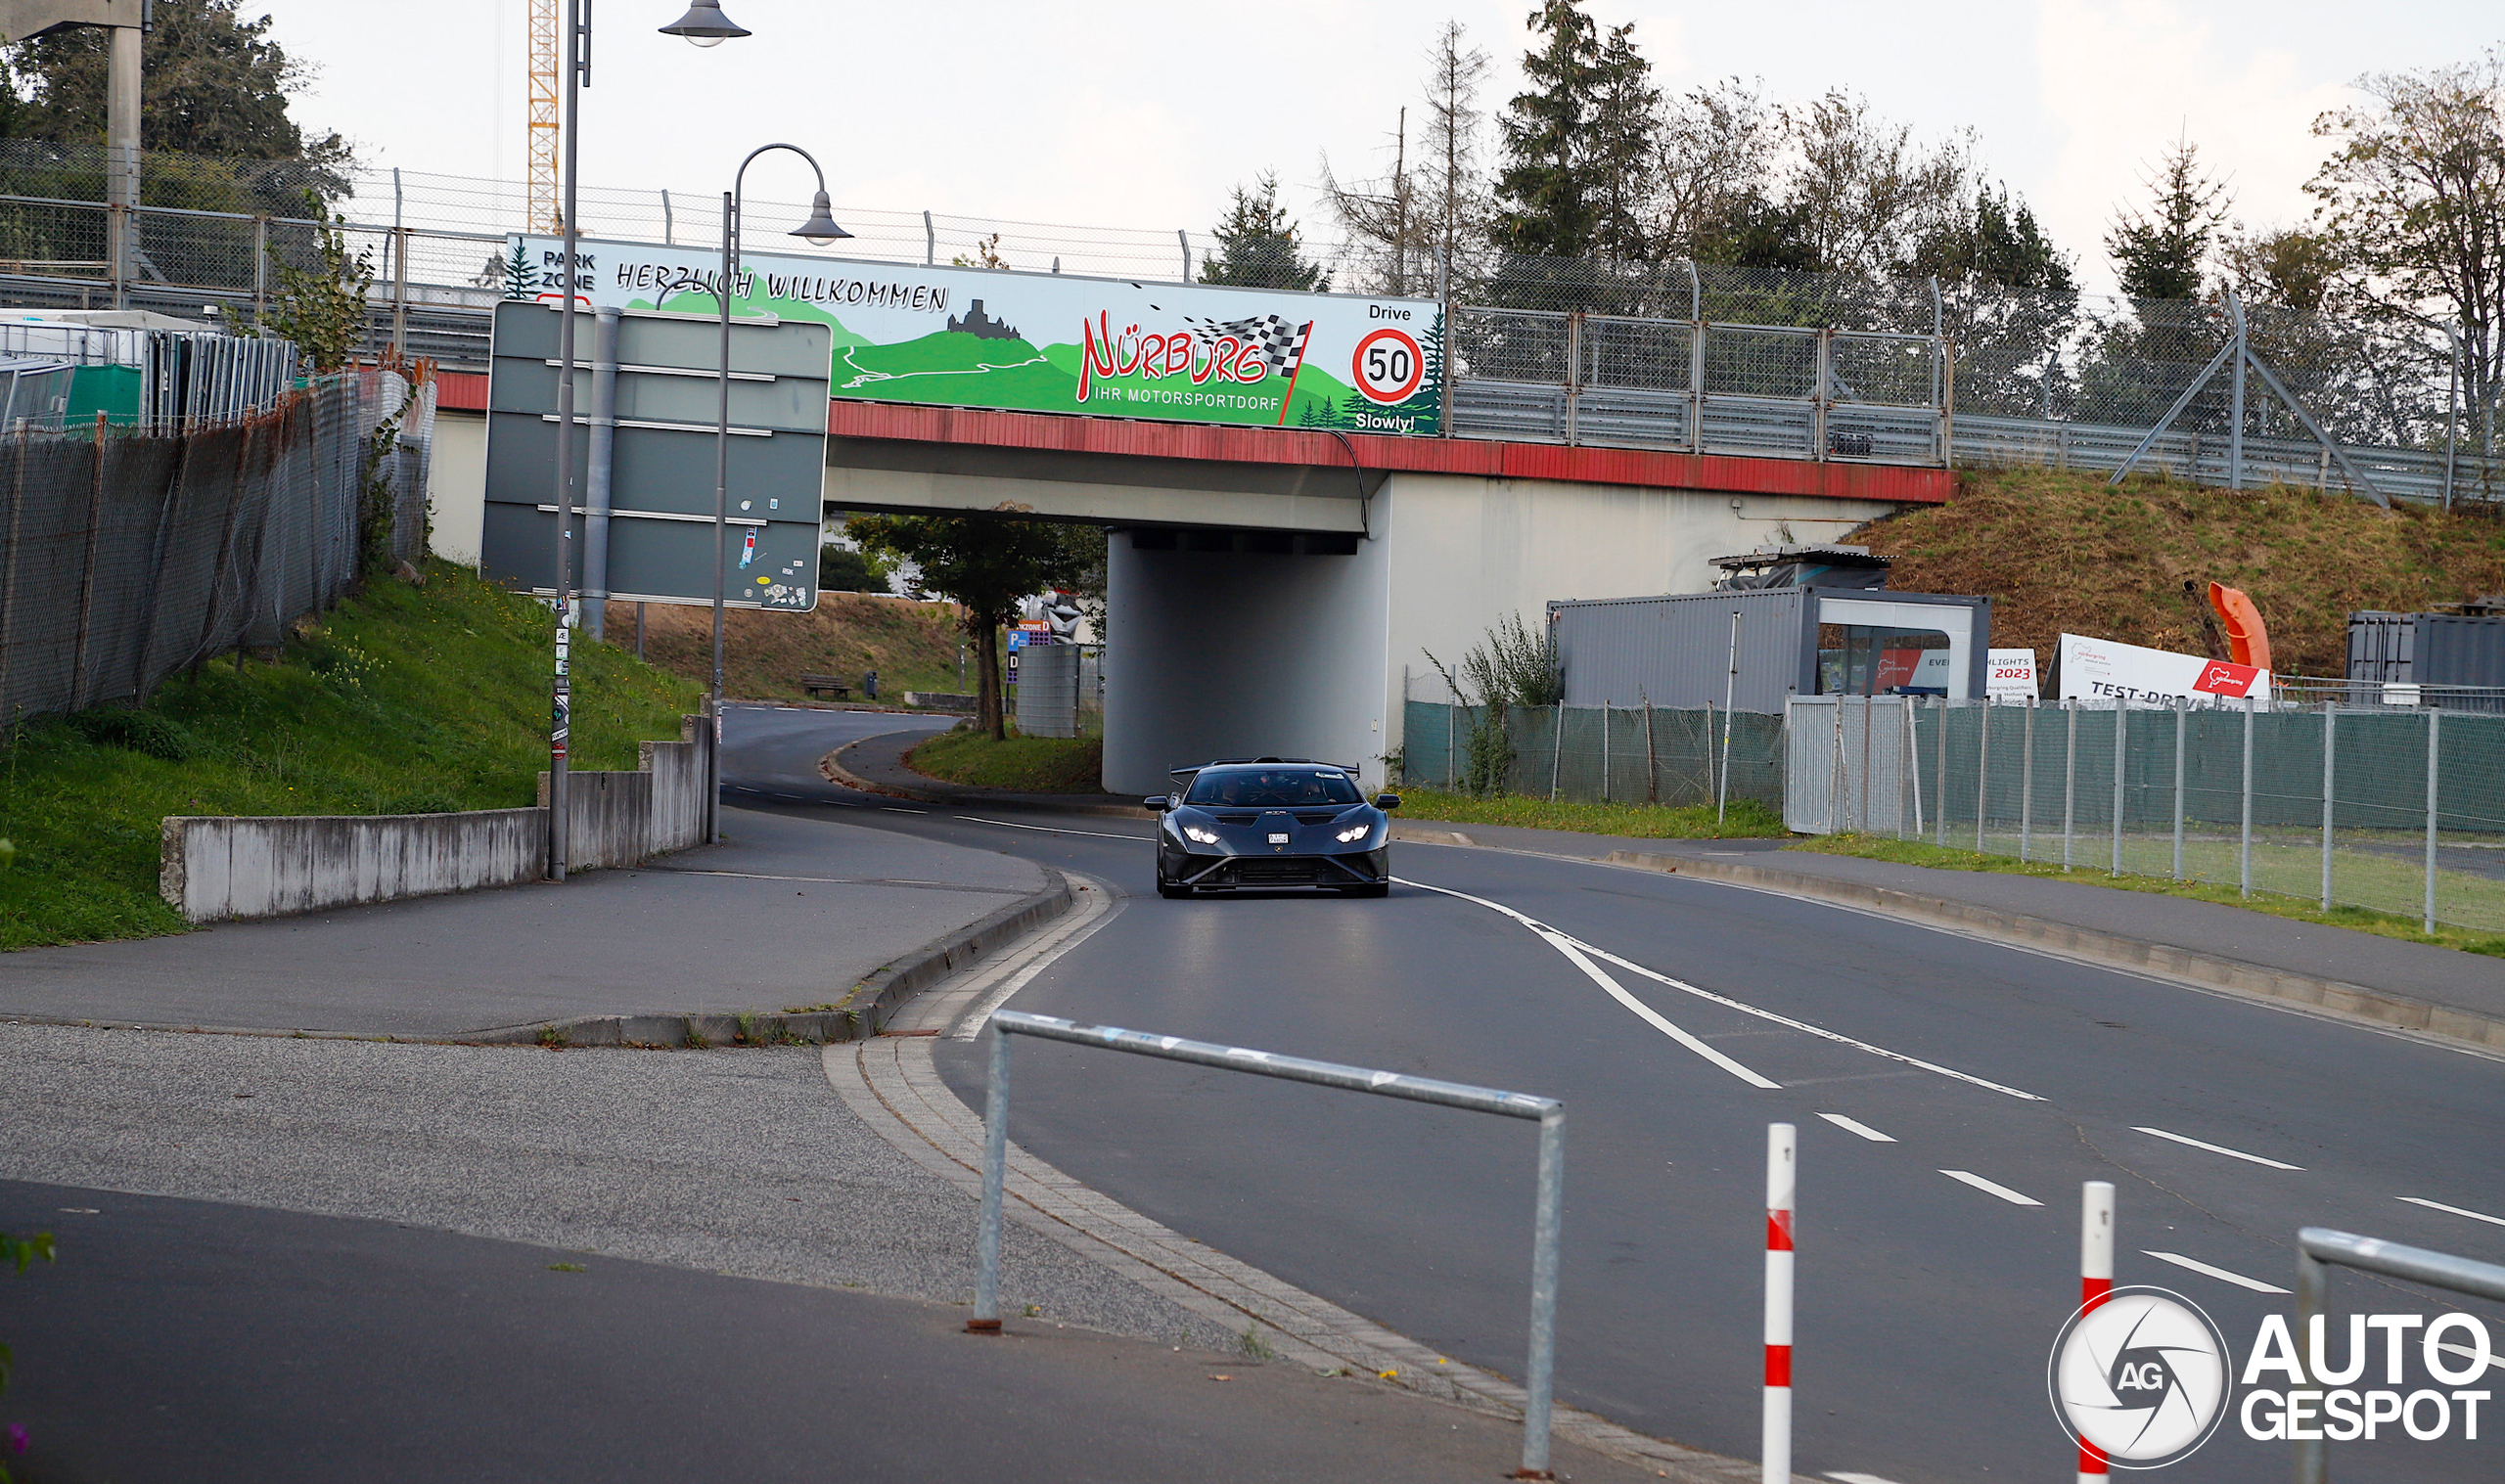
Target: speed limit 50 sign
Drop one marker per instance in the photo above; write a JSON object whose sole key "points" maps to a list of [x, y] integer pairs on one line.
{"points": [[1388, 366]]}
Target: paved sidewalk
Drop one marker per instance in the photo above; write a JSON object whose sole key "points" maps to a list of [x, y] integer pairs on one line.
{"points": [[2443, 976], [788, 913], [337, 1260]]}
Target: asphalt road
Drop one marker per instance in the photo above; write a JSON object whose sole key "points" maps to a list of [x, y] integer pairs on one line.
{"points": [[1938, 1228]]}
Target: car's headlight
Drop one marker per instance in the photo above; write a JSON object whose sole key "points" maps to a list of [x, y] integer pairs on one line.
{"points": [[1356, 832], [1197, 833]]}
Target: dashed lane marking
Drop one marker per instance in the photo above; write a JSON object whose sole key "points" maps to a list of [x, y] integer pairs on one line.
{"points": [[2220, 1274], [1991, 1188], [2437, 1205], [2215, 1148], [1856, 1126]]}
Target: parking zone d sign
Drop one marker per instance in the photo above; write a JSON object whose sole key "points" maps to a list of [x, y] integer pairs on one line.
{"points": [[1048, 342]]}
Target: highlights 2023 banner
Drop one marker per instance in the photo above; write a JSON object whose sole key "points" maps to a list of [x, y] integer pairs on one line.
{"points": [[1049, 343]]}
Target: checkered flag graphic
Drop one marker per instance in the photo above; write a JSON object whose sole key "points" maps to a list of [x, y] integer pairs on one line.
{"points": [[1282, 344]]}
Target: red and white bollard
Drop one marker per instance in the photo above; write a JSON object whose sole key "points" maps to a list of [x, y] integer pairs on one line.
{"points": [[1778, 1303], [2095, 1284]]}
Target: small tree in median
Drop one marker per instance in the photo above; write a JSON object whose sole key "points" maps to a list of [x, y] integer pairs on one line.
{"points": [[989, 564]]}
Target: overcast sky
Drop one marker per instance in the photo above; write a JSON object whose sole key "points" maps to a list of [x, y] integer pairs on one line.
{"points": [[1138, 114]]}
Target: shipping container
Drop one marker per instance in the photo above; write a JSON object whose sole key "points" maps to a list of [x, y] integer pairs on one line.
{"points": [[1759, 647]]}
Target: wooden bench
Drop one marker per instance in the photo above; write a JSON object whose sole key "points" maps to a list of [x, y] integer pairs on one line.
{"points": [[814, 685]]}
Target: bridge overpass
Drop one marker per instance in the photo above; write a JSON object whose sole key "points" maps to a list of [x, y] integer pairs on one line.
{"points": [[1274, 590]]}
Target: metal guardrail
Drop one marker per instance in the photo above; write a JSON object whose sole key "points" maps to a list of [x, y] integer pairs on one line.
{"points": [[1548, 1113], [2320, 1248]]}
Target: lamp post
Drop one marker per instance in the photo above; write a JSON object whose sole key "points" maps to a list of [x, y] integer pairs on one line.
{"points": [[818, 231], [705, 26]]}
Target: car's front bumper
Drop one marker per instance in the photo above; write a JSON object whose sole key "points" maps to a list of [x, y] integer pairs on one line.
{"points": [[1336, 867]]}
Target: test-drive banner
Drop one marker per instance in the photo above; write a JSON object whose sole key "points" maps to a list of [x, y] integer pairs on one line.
{"points": [[1050, 341], [2100, 669]]}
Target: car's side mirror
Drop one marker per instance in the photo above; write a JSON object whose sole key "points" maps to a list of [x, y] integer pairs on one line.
{"points": [[1158, 803], [1387, 800]]}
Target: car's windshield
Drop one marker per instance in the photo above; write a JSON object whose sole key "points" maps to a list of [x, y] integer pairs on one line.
{"points": [[1271, 787]]}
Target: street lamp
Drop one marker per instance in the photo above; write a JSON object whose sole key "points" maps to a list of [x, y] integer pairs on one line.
{"points": [[704, 25], [819, 230]]}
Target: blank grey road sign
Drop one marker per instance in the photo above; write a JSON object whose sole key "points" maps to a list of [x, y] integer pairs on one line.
{"points": [[660, 531]]}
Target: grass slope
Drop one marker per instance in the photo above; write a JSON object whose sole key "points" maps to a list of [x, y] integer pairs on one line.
{"points": [[404, 701], [1023, 764], [2061, 552], [913, 646], [2382, 923], [1747, 818]]}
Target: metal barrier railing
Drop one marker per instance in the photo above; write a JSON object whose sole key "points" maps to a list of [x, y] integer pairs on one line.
{"points": [[2320, 1248], [1548, 1113]]}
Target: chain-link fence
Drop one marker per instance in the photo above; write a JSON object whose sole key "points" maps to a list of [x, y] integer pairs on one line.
{"points": [[1603, 754], [125, 556], [2395, 810]]}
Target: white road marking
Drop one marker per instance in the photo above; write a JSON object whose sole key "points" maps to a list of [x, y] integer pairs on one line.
{"points": [[1726, 1001], [2437, 1205], [2214, 1149], [1575, 952], [1859, 1478], [1102, 834], [1989, 1188], [1856, 1126], [2220, 1274], [893, 809]]}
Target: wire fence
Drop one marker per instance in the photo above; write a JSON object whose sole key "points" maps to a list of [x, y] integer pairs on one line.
{"points": [[1682, 355], [1600, 754], [2393, 810], [126, 555]]}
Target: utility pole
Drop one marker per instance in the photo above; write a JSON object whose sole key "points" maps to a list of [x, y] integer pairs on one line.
{"points": [[128, 20]]}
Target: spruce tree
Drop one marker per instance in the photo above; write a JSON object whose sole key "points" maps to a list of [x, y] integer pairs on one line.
{"points": [[1256, 245]]}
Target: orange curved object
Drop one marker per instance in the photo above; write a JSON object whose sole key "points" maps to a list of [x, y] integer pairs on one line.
{"points": [[2248, 641]]}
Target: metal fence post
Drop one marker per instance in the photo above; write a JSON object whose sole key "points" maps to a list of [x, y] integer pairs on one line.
{"points": [[260, 266], [1867, 776], [2312, 1462], [1556, 750], [2244, 836], [1941, 808], [1982, 768], [2433, 716], [995, 1163], [1835, 773], [1605, 720], [1541, 1373], [1779, 1149], [1818, 399], [2121, 737], [2330, 737], [2181, 711], [1452, 710], [2070, 776], [1913, 762], [2026, 787]]}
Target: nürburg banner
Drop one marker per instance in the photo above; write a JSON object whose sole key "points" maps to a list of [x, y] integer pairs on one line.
{"points": [[1049, 342]]}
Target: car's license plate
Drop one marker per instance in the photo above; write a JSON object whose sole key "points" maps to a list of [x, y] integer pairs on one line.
{"points": [[1278, 839]]}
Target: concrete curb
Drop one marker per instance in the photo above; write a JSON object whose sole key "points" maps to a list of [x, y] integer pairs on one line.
{"points": [[856, 1017]]}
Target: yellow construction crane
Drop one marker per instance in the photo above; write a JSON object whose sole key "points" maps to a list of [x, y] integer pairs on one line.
{"points": [[541, 211]]}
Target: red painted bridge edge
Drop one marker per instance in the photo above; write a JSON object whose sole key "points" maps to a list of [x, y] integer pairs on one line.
{"points": [[1484, 457]]}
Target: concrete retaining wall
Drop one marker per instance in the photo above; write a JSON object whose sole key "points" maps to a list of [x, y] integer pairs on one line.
{"points": [[215, 868], [218, 869]]}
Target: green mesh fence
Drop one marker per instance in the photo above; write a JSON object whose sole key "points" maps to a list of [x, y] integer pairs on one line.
{"points": [[2414, 824], [1603, 754]]}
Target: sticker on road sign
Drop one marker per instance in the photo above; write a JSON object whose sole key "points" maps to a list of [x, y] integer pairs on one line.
{"points": [[1388, 366]]}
